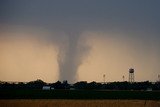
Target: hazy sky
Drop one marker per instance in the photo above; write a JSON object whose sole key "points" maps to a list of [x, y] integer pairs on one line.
{"points": [[79, 40]]}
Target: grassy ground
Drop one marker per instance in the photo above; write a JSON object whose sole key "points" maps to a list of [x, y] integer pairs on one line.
{"points": [[78, 94], [78, 103]]}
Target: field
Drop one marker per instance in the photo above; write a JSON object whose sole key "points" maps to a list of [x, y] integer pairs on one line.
{"points": [[78, 103], [78, 98], [79, 94]]}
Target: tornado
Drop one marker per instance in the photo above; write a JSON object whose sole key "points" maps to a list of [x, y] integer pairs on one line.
{"points": [[70, 56]]}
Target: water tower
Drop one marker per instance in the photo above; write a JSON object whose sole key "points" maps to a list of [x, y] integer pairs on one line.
{"points": [[131, 75]]}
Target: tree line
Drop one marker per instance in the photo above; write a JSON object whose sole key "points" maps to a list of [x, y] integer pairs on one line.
{"points": [[83, 85]]}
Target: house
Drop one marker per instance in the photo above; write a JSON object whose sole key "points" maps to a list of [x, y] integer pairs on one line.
{"points": [[46, 88]]}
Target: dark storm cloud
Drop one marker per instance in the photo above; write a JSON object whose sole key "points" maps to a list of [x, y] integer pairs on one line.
{"points": [[82, 15], [137, 21]]}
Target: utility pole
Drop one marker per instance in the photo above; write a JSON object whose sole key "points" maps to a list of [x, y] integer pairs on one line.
{"points": [[123, 78], [104, 78]]}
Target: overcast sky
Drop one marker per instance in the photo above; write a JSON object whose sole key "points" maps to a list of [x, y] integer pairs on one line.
{"points": [[79, 40]]}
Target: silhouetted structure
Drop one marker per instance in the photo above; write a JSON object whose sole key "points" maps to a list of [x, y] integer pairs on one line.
{"points": [[104, 78], [123, 78], [131, 75]]}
